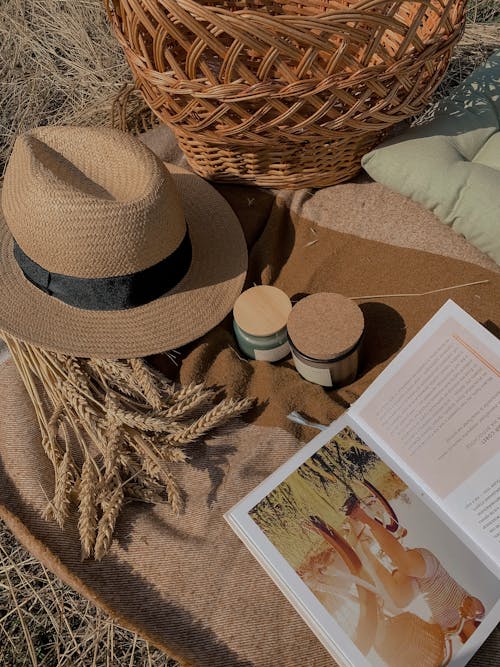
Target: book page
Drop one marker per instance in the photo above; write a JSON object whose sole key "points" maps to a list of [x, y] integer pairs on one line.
{"points": [[373, 569], [436, 409]]}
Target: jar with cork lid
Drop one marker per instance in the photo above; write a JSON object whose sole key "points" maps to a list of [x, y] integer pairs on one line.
{"points": [[260, 317], [325, 331]]}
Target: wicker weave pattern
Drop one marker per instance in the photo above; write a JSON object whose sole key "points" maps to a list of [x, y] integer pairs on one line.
{"points": [[282, 93]]}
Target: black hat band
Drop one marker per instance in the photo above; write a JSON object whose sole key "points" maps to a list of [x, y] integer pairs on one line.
{"points": [[115, 292]]}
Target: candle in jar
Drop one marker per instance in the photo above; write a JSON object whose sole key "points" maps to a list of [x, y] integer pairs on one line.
{"points": [[260, 317], [325, 332]]}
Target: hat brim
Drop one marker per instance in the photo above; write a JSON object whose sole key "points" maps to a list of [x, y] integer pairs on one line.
{"points": [[197, 304]]}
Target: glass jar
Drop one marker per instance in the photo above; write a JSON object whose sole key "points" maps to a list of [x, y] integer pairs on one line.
{"points": [[263, 348], [260, 317], [325, 332]]}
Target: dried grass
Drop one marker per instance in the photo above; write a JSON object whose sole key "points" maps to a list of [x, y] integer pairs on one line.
{"points": [[480, 40], [59, 64], [43, 623]]}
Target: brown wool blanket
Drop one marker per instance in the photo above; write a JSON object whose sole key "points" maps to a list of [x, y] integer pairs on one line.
{"points": [[187, 584]]}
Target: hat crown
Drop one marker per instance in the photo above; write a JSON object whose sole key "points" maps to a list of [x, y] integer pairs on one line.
{"points": [[90, 202]]}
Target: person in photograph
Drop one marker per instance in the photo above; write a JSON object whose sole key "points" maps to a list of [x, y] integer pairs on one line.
{"points": [[342, 585], [338, 579], [329, 577], [417, 571]]}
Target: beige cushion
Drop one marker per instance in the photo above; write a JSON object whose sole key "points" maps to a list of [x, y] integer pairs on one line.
{"points": [[452, 165]]}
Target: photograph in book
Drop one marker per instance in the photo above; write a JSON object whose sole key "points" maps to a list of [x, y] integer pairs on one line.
{"points": [[397, 581]]}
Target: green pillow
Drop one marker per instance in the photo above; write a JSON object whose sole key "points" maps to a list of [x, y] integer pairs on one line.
{"points": [[452, 165]]}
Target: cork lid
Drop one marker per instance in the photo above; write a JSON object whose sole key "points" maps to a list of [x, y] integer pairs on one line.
{"points": [[325, 326], [262, 310]]}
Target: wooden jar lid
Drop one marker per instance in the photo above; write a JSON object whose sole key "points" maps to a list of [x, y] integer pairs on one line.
{"points": [[262, 310], [325, 326]]}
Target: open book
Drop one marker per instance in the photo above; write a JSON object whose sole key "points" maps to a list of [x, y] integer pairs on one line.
{"points": [[384, 530]]}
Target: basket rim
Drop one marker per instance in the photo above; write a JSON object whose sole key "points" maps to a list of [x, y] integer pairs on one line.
{"points": [[361, 5], [242, 90]]}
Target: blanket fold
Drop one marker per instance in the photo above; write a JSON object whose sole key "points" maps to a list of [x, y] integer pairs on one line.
{"points": [[186, 583]]}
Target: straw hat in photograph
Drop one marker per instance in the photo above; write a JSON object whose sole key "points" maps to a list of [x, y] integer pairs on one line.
{"points": [[107, 252]]}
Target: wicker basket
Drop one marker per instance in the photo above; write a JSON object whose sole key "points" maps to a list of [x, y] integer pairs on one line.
{"points": [[281, 93]]}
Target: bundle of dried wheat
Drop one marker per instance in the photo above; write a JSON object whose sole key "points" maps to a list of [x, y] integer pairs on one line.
{"points": [[111, 429]]}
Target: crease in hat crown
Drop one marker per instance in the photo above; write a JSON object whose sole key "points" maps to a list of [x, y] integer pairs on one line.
{"points": [[90, 202]]}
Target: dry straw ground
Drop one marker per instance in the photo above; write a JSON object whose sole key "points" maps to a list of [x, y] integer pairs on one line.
{"points": [[59, 64]]}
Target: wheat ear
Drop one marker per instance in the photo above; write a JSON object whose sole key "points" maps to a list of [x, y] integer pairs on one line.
{"points": [[185, 405], [146, 382], [110, 511], [87, 520], [221, 413], [60, 505]]}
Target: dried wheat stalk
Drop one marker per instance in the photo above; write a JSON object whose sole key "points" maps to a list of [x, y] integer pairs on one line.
{"points": [[125, 421]]}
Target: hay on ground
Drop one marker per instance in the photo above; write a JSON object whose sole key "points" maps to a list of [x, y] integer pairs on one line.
{"points": [[44, 623]]}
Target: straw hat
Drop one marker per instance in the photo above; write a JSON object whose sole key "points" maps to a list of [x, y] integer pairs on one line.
{"points": [[107, 252]]}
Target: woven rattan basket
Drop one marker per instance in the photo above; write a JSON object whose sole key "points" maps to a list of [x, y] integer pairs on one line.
{"points": [[282, 93]]}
